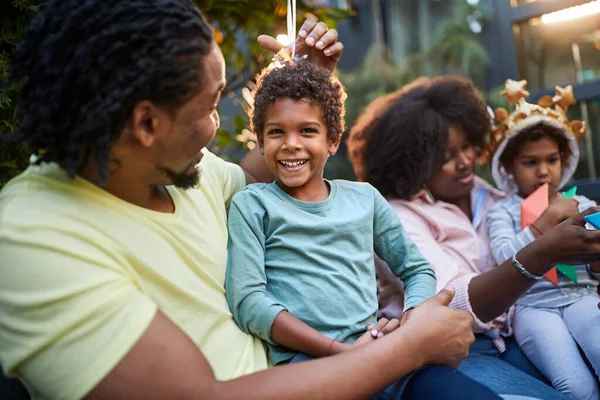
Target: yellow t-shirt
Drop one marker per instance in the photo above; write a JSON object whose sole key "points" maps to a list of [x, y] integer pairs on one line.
{"points": [[83, 272]]}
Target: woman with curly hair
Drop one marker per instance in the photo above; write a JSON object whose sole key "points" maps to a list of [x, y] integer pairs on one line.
{"points": [[300, 269], [418, 146]]}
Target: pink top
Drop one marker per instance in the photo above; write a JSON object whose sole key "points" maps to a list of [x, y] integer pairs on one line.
{"points": [[457, 248]]}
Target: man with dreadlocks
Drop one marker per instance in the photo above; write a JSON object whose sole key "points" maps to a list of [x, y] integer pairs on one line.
{"points": [[112, 273]]}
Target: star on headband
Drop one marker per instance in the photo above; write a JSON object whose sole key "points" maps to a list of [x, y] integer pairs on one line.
{"points": [[514, 90], [527, 114]]}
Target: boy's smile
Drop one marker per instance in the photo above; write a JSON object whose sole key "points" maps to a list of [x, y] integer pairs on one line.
{"points": [[296, 147]]}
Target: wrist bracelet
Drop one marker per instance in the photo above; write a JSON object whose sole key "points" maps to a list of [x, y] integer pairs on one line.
{"points": [[522, 270]]}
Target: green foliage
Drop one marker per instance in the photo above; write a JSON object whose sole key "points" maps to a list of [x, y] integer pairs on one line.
{"points": [[456, 48], [14, 17], [239, 22]]}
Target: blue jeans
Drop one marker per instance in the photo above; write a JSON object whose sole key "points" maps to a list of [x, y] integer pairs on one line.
{"points": [[508, 373], [552, 339], [431, 383]]}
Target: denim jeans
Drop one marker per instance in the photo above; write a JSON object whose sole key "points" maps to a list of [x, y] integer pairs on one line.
{"points": [[508, 373], [552, 339], [431, 383]]}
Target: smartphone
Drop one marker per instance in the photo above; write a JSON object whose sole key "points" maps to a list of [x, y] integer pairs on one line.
{"points": [[593, 220]]}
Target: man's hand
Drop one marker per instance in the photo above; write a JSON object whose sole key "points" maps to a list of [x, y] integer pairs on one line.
{"points": [[315, 40], [444, 334]]}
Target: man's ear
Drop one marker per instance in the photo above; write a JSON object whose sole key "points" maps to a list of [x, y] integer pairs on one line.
{"points": [[144, 122]]}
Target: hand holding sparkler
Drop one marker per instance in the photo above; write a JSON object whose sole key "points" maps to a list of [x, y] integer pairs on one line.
{"points": [[315, 41]]}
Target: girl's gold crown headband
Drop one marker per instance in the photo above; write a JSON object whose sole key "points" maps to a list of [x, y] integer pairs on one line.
{"points": [[527, 114]]}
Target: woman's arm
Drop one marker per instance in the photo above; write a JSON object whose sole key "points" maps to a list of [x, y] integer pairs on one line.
{"points": [[493, 292]]}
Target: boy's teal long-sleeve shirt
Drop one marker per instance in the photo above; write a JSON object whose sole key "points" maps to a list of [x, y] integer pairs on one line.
{"points": [[315, 260]]}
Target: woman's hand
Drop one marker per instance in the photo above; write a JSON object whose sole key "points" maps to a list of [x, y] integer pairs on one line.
{"points": [[570, 242], [315, 40]]}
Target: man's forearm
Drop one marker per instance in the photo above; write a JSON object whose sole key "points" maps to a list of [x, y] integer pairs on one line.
{"points": [[358, 374]]}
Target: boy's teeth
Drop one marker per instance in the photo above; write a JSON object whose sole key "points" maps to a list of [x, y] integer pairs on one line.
{"points": [[292, 163]]}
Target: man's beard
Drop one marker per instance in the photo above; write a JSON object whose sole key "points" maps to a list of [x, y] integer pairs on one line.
{"points": [[183, 180]]}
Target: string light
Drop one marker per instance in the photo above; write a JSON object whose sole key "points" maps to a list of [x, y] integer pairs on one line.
{"points": [[571, 13], [283, 40]]}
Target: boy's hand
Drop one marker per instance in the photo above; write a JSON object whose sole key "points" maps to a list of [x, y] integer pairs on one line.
{"points": [[559, 210], [373, 332], [383, 327]]}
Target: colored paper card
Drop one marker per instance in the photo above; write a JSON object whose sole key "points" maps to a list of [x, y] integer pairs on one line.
{"points": [[568, 270], [593, 219], [552, 276], [569, 194], [533, 206]]}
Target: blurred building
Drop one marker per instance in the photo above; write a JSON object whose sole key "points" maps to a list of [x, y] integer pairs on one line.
{"points": [[547, 42], [551, 42]]}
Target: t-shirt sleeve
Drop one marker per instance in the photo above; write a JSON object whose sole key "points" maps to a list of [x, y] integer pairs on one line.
{"points": [[246, 280], [229, 177], [395, 247], [69, 312]]}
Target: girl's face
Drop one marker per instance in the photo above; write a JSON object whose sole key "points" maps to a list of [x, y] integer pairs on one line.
{"points": [[536, 163], [296, 147], [455, 179]]}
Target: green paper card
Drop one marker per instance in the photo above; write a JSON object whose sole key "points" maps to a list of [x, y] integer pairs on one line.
{"points": [[569, 194]]}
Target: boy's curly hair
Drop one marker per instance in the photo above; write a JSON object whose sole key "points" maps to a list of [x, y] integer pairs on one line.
{"points": [[400, 140], [300, 81], [534, 133]]}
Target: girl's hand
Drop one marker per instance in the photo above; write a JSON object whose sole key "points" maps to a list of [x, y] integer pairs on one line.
{"points": [[559, 210]]}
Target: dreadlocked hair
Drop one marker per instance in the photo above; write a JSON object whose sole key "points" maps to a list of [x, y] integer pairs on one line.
{"points": [[84, 64], [400, 140], [302, 81]]}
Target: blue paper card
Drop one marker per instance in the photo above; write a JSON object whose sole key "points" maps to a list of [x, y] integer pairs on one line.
{"points": [[593, 219]]}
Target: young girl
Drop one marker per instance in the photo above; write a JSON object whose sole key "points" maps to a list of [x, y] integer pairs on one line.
{"points": [[300, 273], [534, 146]]}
